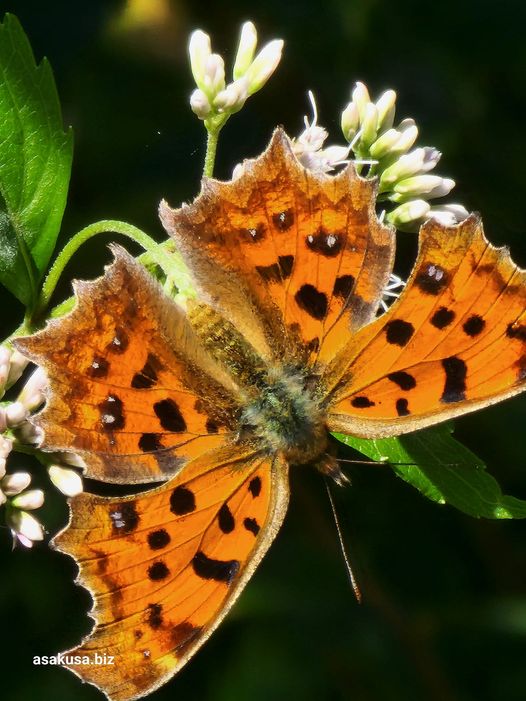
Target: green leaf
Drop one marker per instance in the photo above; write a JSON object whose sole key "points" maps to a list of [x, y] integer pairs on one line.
{"points": [[35, 164], [443, 470]]}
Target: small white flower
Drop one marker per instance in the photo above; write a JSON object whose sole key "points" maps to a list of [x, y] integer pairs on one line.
{"points": [[429, 185], [32, 394], [30, 434], [233, 97], [17, 366], [200, 104], [410, 214], [214, 77], [386, 106], [68, 481], [448, 214], [199, 49], [264, 65]]}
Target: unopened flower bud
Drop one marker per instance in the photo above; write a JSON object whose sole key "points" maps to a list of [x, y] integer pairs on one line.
{"points": [[233, 97], [17, 366], [72, 459], [369, 124], [448, 214], [264, 65], [200, 104], [24, 526], [199, 49], [29, 434], [32, 499], [246, 49], [214, 77], [407, 213], [15, 483], [66, 480], [429, 185], [350, 121], [384, 143], [15, 414], [32, 394], [360, 97], [6, 445], [386, 106], [408, 136]]}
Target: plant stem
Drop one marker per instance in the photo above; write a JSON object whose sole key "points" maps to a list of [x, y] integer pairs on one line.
{"points": [[211, 149], [106, 226]]}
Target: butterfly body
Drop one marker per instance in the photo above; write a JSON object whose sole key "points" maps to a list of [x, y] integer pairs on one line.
{"points": [[216, 402]]}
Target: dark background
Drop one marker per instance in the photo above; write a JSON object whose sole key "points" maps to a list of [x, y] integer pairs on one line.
{"points": [[444, 612]]}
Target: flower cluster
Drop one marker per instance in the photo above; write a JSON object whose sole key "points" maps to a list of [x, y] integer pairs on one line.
{"points": [[18, 433], [214, 100], [403, 171]]}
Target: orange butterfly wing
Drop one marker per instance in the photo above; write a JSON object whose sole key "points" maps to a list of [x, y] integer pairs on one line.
{"points": [[133, 390], [164, 567], [290, 256], [453, 342]]}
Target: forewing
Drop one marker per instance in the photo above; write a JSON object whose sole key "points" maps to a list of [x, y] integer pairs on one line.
{"points": [[132, 391], [292, 257]]}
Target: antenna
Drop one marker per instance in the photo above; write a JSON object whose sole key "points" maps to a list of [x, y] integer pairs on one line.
{"points": [[343, 548]]}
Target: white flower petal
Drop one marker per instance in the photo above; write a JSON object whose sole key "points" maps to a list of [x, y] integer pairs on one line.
{"points": [[67, 481], [15, 483], [32, 499]]}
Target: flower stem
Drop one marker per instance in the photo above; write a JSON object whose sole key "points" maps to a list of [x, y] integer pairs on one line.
{"points": [[157, 253], [211, 149]]}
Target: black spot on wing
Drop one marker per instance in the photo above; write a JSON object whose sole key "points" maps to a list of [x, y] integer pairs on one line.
{"points": [[119, 342], [343, 286], [516, 331], [254, 486], [277, 272], [158, 539], [455, 384], [398, 332], [326, 244], [158, 571], [211, 426], [474, 325], [150, 442], [311, 301], [112, 413], [431, 279], [361, 402], [283, 220], [225, 519], [182, 501], [442, 317], [155, 615], [124, 517], [403, 379], [218, 570], [170, 416], [99, 367], [147, 377], [251, 525], [402, 407]]}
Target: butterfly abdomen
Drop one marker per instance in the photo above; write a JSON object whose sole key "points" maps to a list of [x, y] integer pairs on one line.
{"points": [[286, 417]]}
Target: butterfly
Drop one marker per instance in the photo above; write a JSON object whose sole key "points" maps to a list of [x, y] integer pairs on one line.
{"points": [[217, 401]]}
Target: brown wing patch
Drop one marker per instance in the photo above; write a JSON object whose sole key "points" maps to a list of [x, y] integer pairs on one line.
{"points": [[453, 342], [309, 257], [164, 567], [132, 389]]}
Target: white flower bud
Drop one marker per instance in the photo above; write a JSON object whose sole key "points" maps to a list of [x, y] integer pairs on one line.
{"points": [[30, 434], [15, 483], [214, 76], [384, 143], [246, 49], [72, 459], [32, 499], [67, 481], [200, 104], [264, 65], [408, 136], [25, 525], [406, 166], [199, 49], [448, 214], [6, 445], [369, 124], [233, 97], [386, 106], [15, 414], [19, 363], [407, 213], [2, 467], [360, 97], [32, 394], [429, 185], [350, 121]]}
